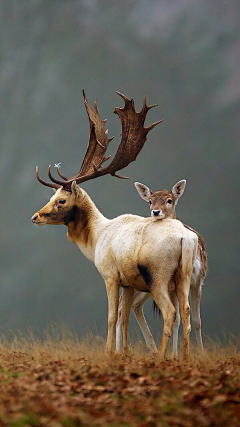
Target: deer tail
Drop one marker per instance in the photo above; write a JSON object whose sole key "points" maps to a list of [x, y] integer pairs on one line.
{"points": [[189, 253]]}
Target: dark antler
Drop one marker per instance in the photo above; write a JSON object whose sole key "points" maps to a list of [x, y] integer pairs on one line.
{"points": [[133, 137], [97, 145], [48, 184]]}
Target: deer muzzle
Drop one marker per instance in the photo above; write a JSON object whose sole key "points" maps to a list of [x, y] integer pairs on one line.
{"points": [[36, 219], [157, 213]]}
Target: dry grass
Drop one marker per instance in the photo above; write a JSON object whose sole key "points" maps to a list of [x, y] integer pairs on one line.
{"points": [[61, 381], [64, 345]]}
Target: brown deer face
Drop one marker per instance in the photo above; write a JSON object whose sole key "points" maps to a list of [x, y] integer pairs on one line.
{"points": [[61, 208], [162, 203]]}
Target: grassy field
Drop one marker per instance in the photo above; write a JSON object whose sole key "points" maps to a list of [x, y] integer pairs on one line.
{"points": [[64, 382]]}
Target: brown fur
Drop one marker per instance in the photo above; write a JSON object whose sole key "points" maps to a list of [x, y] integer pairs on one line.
{"points": [[159, 199], [77, 228]]}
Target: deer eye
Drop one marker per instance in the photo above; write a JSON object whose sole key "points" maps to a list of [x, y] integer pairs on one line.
{"points": [[62, 201], [169, 201]]}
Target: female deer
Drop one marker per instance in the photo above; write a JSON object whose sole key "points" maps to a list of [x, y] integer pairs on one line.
{"points": [[162, 205], [129, 251]]}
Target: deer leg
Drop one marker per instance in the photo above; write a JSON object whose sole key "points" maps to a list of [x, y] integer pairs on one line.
{"points": [[176, 325], [196, 293], [127, 297], [162, 298], [119, 343], [182, 294], [137, 306], [112, 288]]}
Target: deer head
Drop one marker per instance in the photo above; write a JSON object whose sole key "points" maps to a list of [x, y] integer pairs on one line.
{"points": [[60, 208], [162, 203]]}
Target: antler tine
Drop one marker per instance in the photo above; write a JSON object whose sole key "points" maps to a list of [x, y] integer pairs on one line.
{"points": [[61, 175], [48, 184], [153, 125], [56, 181], [124, 97], [95, 106], [148, 107], [144, 111]]}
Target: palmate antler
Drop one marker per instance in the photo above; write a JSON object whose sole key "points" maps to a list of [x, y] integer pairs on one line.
{"points": [[133, 137]]}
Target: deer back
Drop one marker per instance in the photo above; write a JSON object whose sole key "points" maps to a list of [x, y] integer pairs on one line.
{"points": [[133, 246]]}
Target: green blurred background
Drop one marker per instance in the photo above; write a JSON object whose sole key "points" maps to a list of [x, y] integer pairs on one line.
{"points": [[183, 55]]}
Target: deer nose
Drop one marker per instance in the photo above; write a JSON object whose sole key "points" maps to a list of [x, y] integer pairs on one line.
{"points": [[156, 212], [34, 218]]}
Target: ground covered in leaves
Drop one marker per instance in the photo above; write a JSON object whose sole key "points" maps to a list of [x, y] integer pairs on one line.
{"points": [[66, 383]]}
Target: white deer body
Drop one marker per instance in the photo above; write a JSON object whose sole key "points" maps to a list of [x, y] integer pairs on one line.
{"points": [[129, 251], [129, 240]]}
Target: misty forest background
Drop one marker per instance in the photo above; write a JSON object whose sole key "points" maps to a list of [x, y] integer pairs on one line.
{"points": [[183, 55]]}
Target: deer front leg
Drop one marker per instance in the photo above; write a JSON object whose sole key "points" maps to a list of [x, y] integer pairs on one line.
{"points": [[127, 297], [112, 288]]}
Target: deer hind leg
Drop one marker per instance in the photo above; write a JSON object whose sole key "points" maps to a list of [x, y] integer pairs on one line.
{"points": [[183, 286], [112, 288], [162, 298], [127, 298], [137, 306], [196, 293], [176, 325]]}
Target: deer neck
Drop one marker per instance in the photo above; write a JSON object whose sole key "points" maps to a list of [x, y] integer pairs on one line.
{"points": [[86, 225]]}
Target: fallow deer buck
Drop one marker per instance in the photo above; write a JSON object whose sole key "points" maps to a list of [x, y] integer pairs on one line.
{"points": [[129, 251], [162, 205]]}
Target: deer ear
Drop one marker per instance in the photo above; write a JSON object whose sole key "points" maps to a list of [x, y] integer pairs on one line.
{"points": [[178, 188], [75, 189], [143, 191]]}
